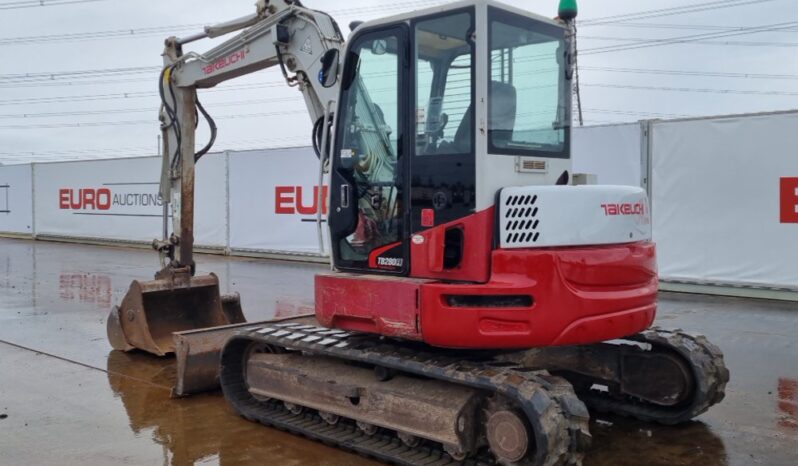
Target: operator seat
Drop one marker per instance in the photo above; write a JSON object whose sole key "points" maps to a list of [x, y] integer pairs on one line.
{"points": [[503, 103]]}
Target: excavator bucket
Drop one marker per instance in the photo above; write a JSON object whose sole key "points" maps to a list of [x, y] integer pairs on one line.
{"points": [[152, 310]]}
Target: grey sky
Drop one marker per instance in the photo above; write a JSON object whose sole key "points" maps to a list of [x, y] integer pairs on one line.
{"points": [[609, 94]]}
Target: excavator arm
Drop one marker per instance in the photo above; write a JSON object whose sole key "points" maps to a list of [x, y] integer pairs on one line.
{"points": [[306, 45], [303, 42]]}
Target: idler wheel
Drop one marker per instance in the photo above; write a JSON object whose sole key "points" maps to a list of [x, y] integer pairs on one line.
{"points": [[508, 436]]}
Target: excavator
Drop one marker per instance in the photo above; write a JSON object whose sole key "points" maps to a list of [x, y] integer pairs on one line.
{"points": [[480, 301]]}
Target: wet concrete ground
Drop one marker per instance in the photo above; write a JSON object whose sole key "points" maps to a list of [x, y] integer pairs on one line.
{"points": [[65, 398]]}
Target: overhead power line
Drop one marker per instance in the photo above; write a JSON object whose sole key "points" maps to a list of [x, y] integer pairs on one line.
{"points": [[153, 121], [679, 10], [174, 29], [78, 74], [131, 95], [291, 112], [153, 110], [127, 152], [690, 38], [41, 3], [695, 27], [112, 34], [637, 114], [60, 83], [715, 74], [115, 149], [729, 43], [692, 89]]}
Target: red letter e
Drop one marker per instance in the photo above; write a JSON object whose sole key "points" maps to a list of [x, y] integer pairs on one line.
{"points": [[789, 200]]}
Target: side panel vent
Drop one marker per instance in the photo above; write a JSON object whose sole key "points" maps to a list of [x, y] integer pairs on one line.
{"points": [[523, 165], [520, 219], [552, 216]]}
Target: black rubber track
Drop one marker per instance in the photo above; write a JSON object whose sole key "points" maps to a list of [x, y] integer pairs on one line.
{"points": [[559, 419], [709, 373]]}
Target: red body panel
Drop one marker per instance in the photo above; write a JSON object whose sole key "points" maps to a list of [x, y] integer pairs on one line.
{"points": [[426, 258], [369, 303], [580, 295]]}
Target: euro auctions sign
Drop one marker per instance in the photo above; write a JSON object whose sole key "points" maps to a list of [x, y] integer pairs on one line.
{"points": [[119, 199], [103, 199], [114, 199], [789, 200]]}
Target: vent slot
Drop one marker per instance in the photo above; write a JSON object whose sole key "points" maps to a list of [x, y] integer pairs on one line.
{"points": [[531, 166], [489, 301]]}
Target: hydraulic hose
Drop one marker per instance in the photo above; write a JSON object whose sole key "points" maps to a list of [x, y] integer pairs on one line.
{"points": [[212, 126], [171, 111]]}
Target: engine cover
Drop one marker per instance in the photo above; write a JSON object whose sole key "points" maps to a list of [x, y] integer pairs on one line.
{"points": [[547, 216]]}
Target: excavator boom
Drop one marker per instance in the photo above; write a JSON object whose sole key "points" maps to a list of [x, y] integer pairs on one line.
{"points": [[305, 44]]}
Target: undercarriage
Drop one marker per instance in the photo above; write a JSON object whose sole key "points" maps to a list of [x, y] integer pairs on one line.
{"points": [[663, 376], [408, 403]]}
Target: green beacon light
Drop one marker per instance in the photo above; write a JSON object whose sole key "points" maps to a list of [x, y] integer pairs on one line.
{"points": [[568, 10]]}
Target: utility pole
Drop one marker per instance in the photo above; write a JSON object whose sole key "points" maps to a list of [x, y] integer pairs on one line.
{"points": [[575, 55]]}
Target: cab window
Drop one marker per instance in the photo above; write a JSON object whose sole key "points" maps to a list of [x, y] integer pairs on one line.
{"points": [[529, 93], [444, 50]]}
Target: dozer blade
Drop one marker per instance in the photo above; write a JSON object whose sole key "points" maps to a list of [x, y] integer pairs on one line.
{"points": [[197, 354], [152, 310]]}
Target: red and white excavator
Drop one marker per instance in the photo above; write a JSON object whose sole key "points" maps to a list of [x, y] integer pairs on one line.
{"points": [[479, 301]]}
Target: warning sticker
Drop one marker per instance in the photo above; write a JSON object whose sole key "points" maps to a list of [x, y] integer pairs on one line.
{"points": [[307, 47]]}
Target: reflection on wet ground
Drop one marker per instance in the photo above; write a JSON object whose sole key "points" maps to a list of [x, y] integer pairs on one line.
{"points": [[788, 403], [620, 441], [70, 400], [203, 428]]}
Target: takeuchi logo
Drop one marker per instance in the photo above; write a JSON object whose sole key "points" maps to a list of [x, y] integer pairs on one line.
{"points": [[637, 208], [226, 61]]}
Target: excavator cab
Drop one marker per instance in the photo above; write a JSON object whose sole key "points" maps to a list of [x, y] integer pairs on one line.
{"points": [[436, 113]]}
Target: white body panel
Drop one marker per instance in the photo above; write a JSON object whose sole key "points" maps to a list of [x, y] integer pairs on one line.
{"points": [[548, 216]]}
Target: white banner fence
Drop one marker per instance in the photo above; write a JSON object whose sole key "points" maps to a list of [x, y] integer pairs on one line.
{"points": [[274, 201], [724, 195], [118, 200], [16, 207], [725, 200]]}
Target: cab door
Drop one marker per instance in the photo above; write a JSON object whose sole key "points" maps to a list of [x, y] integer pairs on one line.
{"points": [[368, 202]]}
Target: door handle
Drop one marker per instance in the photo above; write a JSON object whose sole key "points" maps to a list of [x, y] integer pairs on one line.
{"points": [[344, 196]]}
